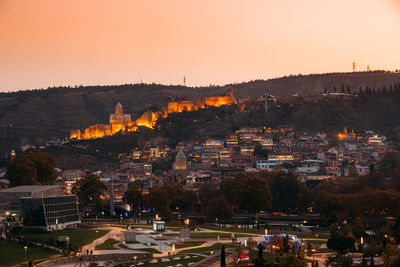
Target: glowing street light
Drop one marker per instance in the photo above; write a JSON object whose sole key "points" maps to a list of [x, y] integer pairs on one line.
{"points": [[266, 231], [25, 253]]}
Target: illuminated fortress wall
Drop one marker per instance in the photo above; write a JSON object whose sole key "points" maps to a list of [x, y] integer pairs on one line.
{"points": [[214, 101], [123, 122]]}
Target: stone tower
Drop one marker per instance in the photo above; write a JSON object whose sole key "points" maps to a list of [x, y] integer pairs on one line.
{"points": [[180, 167]]}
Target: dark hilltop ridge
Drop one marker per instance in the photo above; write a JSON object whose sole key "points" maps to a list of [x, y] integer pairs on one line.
{"points": [[36, 116]]}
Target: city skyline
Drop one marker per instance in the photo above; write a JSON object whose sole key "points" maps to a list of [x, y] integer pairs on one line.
{"points": [[46, 43]]}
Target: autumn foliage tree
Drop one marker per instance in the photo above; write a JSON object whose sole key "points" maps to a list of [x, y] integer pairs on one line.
{"points": [[247, 191], [32, 167]]}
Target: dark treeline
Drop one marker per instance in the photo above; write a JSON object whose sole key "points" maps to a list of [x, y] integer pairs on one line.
{"points": [[384, 90]]}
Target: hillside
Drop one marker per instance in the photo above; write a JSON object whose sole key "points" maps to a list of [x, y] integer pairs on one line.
{"points": [[37, 116]]}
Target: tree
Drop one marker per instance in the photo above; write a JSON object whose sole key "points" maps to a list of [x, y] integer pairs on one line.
{"points": [[180, 197], [260, 259], [90, 191], [285, 189], [223, 256], [208, 191], [259, 151], [32, 167], [341, 238], [157, 198], [218, 208], [134, 198], [250, 192], [389, 162]]}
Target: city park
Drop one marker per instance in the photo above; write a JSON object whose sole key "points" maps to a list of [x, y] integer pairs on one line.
{"points": [[119, 242]]}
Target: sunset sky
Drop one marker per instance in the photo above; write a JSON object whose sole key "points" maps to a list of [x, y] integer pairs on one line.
{"points": [[99, 42]]}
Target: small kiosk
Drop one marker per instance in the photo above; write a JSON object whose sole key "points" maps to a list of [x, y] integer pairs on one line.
{"points": [[159, 226]]}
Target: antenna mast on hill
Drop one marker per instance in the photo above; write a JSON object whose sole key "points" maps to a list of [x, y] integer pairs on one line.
{"points": [[184, 81], [354, 66]]}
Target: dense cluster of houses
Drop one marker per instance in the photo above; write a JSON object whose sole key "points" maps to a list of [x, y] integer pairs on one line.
{"points": [[314, 157]]}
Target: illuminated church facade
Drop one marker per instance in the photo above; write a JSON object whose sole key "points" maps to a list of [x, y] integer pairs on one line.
{"points": [[118, 122]]}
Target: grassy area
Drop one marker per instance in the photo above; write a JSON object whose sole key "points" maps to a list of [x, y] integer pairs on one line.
{"points": [[216, 246], [123, 246], [236, 230], [151, 250], [78, 237], [189, 244], [170, 234], [132, 242], [12, 253], [107, 245], [184, 262], [199, 235]]}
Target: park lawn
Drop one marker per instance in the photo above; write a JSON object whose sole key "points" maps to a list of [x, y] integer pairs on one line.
{"points": [[270, 231], [189, 244], [123, 246], [12, 253], [132, 242], [184, 262], [200, 235], [304, 235], [107, 245], [170, 234], [236, 230], [216, 246], [78, 237]]}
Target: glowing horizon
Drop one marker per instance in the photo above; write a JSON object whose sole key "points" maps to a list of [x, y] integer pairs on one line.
{"points": [[97, 42]]}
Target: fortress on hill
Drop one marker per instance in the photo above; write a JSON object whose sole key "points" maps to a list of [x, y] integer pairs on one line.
{"points": [[123, 122]]}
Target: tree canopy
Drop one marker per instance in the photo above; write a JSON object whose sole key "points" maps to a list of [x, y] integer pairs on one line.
{"points": [[90, 191], [32, 167]]}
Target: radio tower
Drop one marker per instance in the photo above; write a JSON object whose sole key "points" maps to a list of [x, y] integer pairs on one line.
{"points": [[184, 81], [354, 66]]}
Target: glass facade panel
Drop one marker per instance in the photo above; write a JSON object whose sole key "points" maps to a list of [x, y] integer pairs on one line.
{"points": [[49, 211]]}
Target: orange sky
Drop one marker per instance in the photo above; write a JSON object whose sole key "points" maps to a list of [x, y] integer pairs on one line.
{"points": [[48, 43]]}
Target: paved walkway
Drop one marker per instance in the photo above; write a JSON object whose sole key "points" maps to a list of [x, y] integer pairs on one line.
{"points": [[113, 232]]}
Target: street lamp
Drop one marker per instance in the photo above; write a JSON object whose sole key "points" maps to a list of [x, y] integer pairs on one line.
{"points": [[266, 231], [25, 253]]}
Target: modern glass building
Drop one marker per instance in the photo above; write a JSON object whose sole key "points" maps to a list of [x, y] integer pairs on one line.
{"points": [[51, 213]]}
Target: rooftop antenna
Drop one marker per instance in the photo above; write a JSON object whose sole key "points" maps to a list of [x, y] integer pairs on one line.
{"points": [[354, 66]]}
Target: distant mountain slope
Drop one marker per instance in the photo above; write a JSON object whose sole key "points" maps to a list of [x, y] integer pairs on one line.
{"points": [[36, 116]]}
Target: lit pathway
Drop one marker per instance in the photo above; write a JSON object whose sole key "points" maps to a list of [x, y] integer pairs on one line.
{"points": [[113, 232]]}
